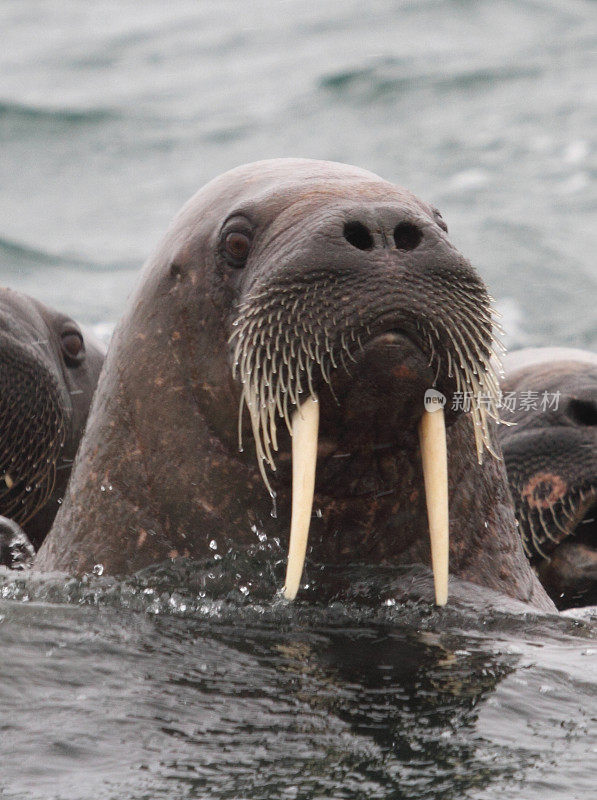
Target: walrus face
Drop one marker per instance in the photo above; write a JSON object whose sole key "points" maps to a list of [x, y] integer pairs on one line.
{"points": [[40, 420], [351, 299], [551, 460]]}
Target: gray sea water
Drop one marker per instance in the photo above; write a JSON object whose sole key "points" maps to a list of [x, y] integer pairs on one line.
{"points": [[202, 684]]}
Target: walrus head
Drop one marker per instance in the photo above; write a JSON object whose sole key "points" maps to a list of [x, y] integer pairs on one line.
{"points": [[327, 301], [42, 360], [551, 460]]}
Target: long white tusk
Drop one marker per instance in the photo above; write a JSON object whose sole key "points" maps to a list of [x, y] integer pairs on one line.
{"points": [[305, 424], [432, 436]]}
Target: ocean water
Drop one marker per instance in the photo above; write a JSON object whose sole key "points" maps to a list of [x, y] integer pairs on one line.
{"points": [[111, 115], [195, 681]]}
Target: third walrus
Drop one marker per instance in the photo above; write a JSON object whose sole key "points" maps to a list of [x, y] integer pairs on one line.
{"points": [[550, 393], [321, 301]]}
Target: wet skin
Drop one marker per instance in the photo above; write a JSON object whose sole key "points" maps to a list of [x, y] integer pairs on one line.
{"points": [[49, 370], [360, 278], [551, 460]]}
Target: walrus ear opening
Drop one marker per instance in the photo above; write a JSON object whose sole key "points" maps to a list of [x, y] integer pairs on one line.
{"points": [[439, 219], [176, 270]]}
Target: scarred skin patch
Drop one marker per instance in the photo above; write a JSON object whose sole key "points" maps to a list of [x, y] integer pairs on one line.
{"points": [[544, 490], [402, 371]]}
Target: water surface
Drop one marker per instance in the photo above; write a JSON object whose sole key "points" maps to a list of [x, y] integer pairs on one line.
{"points": [[196, 681]]}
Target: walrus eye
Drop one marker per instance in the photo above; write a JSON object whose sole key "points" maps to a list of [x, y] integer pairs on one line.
{"points": [[73, 347], [236, 248]]}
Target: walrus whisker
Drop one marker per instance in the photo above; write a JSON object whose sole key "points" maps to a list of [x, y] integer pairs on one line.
{"points": [[521, 515], [543, 524], [535, 539], [558, 525]]}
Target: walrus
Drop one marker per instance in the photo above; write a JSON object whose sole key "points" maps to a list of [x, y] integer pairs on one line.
{"points": [[551, 459], [49, 368], [305, 308]]}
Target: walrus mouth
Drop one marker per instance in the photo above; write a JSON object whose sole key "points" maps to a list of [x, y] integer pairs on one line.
{"points": [[287, 340], [32, 432]]}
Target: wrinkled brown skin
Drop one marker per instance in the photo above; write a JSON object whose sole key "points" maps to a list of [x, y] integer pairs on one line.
{"points": [[551, 460], [159, 473], [32, 329]]}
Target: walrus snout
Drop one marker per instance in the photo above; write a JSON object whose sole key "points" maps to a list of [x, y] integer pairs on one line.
{"points": [[328, 285], [33, 424]]}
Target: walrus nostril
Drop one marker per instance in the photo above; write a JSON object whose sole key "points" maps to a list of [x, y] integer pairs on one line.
{"points": [[358, 235], [583, 412], [407, 236]]}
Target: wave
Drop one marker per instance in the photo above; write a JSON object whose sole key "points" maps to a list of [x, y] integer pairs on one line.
{"points": [[387, 76], [15, 111], [15, 254]]}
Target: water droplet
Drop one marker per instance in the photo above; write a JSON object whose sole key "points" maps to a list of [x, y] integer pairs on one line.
{"points": [[274, 511], [213, 545], [318, 513], [27, 488], [98, 569], [102, 488], [59, 501], [244, 590], [390, 602]]}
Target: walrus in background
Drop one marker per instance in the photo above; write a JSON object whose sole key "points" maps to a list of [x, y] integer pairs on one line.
{"points": [[48, 372], [551, 460], [326, 301]]}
